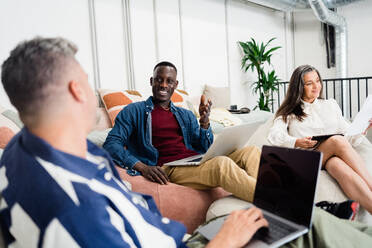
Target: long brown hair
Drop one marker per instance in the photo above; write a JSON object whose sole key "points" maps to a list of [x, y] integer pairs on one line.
{"points": [[292, 103]]}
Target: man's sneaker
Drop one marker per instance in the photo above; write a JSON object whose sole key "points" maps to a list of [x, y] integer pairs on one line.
{"points": [[344, 210]]}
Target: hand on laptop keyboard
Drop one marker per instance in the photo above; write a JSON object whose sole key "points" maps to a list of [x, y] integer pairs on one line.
{"points": [[238, 228], [275, 232]]}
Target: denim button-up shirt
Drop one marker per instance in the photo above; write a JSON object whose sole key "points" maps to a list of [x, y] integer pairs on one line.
{"points": [[130, 140]]}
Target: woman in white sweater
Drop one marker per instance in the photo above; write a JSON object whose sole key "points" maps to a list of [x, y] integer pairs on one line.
{"points": [[303, 114]]}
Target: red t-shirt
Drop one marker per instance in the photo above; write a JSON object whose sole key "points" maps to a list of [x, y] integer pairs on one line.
{"points": [[167, 136]]}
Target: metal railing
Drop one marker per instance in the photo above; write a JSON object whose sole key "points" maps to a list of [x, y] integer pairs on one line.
{"points": [[357, 90]]}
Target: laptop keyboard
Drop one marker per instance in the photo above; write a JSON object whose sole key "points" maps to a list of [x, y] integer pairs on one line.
{"points": [[277, 230]]}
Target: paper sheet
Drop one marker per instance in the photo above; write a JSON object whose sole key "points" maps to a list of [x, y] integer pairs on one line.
{"points": [[361, 120]]}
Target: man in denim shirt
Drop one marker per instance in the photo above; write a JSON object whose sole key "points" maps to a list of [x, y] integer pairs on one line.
{"points": [[155, 132], [59, 190]]}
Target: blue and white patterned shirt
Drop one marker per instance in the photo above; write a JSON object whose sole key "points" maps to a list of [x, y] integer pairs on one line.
{"points": [[55, 199]]}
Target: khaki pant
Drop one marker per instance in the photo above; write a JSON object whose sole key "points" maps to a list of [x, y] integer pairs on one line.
{"points": [[236, 173]]}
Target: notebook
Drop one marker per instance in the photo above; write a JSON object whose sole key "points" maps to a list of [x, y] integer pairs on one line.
{"points": [[285, 192], [229, 140]]}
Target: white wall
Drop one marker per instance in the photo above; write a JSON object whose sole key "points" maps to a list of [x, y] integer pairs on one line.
{"points": [[204, 42], [168, 35], [310, 47], [22, 19], [359, 20], [144, 43], [262, 24], [198, 36], [111, 52]]}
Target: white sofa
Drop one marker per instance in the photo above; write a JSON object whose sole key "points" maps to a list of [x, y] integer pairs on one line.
{"points": [[327, 188]]}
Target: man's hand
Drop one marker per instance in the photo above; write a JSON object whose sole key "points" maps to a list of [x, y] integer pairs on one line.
{"points": [[152, 173], [239, 228], [204, 111], [306, 142]]}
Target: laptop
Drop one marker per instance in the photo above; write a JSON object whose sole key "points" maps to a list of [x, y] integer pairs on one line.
{"points": [[285, 192], [229, 140]]}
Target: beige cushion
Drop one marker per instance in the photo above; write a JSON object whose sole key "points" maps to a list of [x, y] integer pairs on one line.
{"points": [[225, 206], [98, 137], [13, 116], [180, 98], [103, 121], [220, 96], [115, 100], [224, 117], [259, 138], [6, 122]]}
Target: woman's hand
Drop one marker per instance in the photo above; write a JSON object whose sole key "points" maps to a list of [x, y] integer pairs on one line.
{"points": [[239, 228], [369, 126], [305, 142]]}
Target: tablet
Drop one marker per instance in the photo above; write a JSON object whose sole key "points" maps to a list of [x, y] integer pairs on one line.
{"points": [[321, 138]]}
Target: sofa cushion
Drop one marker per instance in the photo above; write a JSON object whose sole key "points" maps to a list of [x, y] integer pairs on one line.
{"points": [[98, 137], [327, 188], [115, 101], [103, 121], [13, 116], [225, 206], [230, 203], [259, 138], [224, 117], [256, 116], [220, 96], [180, 98], [6, 122]]}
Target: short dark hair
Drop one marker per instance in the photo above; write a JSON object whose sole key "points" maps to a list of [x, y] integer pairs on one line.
{"points": [[33, 69], [165, 63]]}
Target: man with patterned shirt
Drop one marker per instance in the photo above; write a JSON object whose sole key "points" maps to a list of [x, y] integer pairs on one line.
{"points": [[60, 190]]}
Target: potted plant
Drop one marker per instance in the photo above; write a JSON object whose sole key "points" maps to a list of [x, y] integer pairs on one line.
{"points": [[255, 56]]}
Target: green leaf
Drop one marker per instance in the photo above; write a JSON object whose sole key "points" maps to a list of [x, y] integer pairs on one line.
{"points": [[253, 41], [270, 41], [262, 50], [244, 46], [255, 55], [271, 50]]}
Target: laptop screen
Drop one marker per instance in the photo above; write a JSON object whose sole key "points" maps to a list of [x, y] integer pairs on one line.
{"points": [[286, 182]]}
